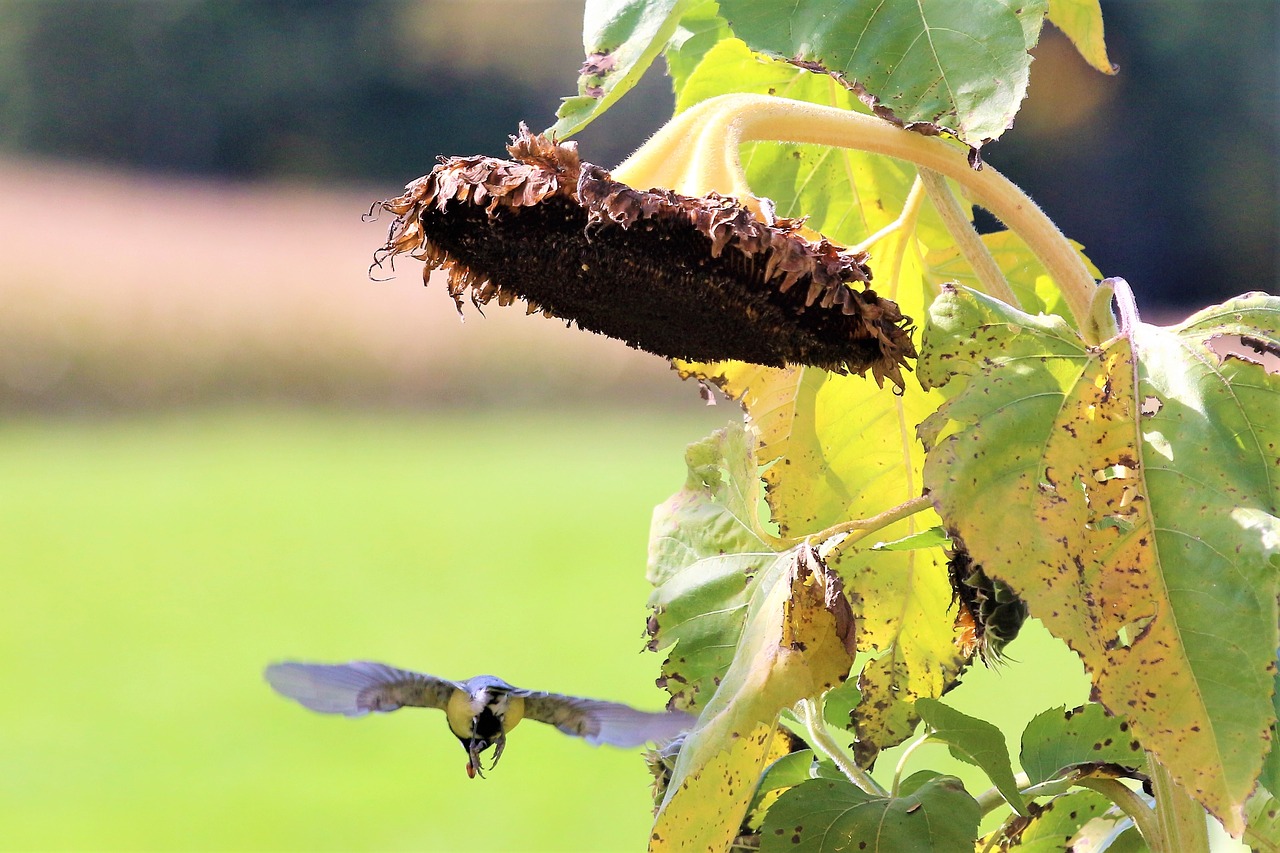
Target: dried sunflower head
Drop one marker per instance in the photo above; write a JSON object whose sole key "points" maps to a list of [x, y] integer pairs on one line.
{"points": [[694, 278]]}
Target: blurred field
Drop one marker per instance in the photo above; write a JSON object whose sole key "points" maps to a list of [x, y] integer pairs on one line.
{"points": [[121, 290], [154, 565]]}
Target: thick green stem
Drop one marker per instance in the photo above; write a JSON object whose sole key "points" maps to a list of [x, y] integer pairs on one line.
{"points": [[697, 152], [821, 740], [1181, 819]]}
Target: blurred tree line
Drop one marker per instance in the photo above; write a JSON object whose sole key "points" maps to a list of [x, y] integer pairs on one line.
{"points": [[1166, 173]]}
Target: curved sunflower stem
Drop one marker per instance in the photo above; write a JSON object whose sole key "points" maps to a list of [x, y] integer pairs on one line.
{"points": [[697, 152], [822, 741]]}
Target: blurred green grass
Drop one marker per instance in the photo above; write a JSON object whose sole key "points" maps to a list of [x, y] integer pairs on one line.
{"points": [[155, 563]]}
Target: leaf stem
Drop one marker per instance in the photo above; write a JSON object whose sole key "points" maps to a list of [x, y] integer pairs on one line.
{"points": [[991, 799], [697, 152], [820, 739], [1135, 807], [902, 760], [967, 240], [1180, 819], [859, 528], [906, 218]]}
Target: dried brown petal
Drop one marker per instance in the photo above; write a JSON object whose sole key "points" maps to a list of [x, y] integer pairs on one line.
{"points": [[701, 279]]}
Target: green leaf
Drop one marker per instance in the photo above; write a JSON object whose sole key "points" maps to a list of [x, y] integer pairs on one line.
{"points": [[1270, 776], [700, 29], [1262, 812], [621, 39], [1081, 21], [975, 741], [797, 643], [1058, 740], [830, 814], [962, 67], [904, 603], [1053, 826], [1129, 494]]}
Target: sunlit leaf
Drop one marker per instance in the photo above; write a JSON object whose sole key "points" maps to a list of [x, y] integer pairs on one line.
{"points": [[797, 643], [846, 195], [904, 603], [1059, 740], [621, 38], [974, 741], [962, 67], [1081, 20], [826, 815], [1128, 493], [1027, 278], [700, 29], [832, 449]]}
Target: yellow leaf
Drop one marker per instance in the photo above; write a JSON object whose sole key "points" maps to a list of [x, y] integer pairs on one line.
{"points": [[1081, 21]]}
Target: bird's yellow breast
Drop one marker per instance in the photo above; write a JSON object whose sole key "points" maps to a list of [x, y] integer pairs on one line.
{"points": [[463, 708]]}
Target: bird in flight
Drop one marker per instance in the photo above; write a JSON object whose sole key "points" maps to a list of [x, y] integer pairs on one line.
{"points": [[480, 710]]}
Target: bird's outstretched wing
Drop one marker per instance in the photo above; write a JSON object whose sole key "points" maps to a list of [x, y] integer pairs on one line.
{"points": [[603, 722], [358, 687]]}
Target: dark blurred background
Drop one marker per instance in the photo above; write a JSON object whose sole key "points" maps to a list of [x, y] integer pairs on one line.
{"points": [[1167, 172]]}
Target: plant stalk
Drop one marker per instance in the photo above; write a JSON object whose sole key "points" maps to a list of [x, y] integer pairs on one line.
{"points": [[967, 240], [822, 741]]}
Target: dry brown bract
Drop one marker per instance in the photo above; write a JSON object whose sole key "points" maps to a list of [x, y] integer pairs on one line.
{"points": [[701, 279]]}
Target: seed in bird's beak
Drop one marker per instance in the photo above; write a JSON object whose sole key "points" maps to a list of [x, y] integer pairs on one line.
{"points": [[471, 770]]}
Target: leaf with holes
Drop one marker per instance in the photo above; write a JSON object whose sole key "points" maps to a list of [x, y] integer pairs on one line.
{"points": [[1129, 494], [962, 67]]}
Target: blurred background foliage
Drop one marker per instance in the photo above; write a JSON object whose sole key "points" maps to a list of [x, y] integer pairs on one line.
{"points": [[223, 444]]}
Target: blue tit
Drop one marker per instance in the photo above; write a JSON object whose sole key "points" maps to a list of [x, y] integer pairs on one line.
{"points": [[480, 710]]}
